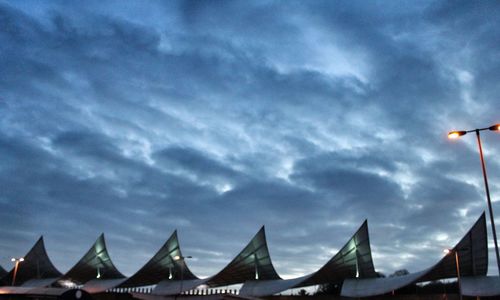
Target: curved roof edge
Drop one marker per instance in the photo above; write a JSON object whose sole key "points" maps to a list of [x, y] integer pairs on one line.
{"points": [[353, 259], [95, 286], [162, 266], [472, 248], [253, 262], [44, 292], [36, 267], [480, 286], [39, 283], [472, 251], [95, 264], [175, 287], [264, 288], [378, 286]]}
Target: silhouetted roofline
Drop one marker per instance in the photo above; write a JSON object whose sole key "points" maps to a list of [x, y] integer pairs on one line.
{"points": [[3, 273], [36, 265]]}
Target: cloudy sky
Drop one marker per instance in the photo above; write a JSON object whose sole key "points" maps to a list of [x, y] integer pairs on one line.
{"points": [[217, 117]]}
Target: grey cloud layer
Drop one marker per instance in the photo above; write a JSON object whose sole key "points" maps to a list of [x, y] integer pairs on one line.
{"points": [[217, 117]]}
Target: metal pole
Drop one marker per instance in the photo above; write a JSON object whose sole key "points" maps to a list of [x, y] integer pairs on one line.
{"points": [[458, 275], [15, 272], [490, 208]]}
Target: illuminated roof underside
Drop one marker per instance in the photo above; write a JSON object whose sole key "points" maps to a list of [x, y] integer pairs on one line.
{"points": [[473, 258], [162, 266], [354, 259], [252, 263], [95, 264], [36, 270]]}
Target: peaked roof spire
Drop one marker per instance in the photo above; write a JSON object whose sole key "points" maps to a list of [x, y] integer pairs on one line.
{"points": [[36, 265], [253, 262], [353, 260], [95, 264], [162, 265], [472, 250]]}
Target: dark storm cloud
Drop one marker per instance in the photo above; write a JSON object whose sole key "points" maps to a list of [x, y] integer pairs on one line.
{"points": [[194, 161], [218, 117]]}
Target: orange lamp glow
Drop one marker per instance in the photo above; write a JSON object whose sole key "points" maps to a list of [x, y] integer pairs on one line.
{"points": [[495, 127], [456, 134]]}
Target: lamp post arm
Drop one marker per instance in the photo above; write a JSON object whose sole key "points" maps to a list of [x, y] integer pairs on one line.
{"points": [[488, 198], [478, 129]]}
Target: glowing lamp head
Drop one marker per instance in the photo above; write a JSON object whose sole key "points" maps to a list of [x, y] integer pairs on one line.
{"points": [[456, 134], [447, 251], [17, 259], [179, 257], [495, 127]]}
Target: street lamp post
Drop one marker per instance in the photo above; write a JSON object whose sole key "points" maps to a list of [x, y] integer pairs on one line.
{"points": [[457, 134], [16, 262], [457, 263], [181, 259]]}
